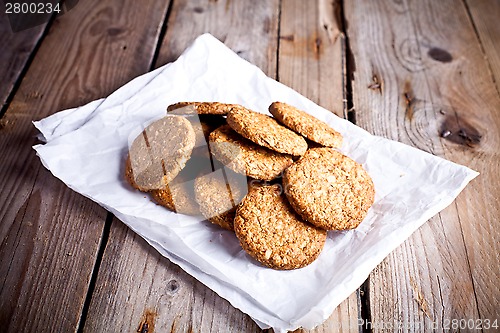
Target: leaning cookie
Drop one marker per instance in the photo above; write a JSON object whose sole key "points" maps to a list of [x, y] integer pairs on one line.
{"points": [[160, 151], [218, 194], [245, 157], [329, 189], [305, 124], [266, 131], [179, 195], [271, 232], [189, 108]]}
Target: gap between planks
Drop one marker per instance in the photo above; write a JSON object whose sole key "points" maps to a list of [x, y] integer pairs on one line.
{"points": [[109, 217], [364, 312], [24, 69]]}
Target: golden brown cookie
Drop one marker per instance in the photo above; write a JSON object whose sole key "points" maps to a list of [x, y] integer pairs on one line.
{"points": [[266, 131], [159, 153], [178, 197], [305, 124], [246, 157], [270, 231], [329, 189], [218, 194], [215, 108]]}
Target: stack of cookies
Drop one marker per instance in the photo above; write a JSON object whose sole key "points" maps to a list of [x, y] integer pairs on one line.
{"points": [[279, 182]]}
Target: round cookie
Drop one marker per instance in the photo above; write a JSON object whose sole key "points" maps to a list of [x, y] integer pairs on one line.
{"points": [[215, 108], [266, 131], [305, 124], [270, 231], [159, 153], [329, 189], [246, 157], [218, 194]]}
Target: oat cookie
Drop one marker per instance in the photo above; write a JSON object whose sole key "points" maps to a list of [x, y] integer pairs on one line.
{"points": [[215, 108], [179, 195], [159, 153], [243, 156], [218, 194], [329, 189], [270, 231], [266, 131], [305, 124]]}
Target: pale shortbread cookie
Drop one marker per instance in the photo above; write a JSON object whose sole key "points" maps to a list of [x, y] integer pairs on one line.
{"points": [[159, 153], [266, 131], [270, 231], [243, 156], [329, 189], [305, 124]]}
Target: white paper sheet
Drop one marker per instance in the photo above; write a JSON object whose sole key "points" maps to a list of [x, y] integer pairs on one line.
{"points": [[87, 146]]}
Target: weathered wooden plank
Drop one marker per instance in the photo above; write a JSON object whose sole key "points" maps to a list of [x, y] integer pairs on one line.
{"points": [[485, 14], [16, 50], [49, 234], [420, 75], [137, 288], [311, 61], [310, 52], [250, 29]]}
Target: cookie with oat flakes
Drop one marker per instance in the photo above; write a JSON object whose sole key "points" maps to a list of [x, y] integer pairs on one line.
{"points": [[271, 232], [245, 157], [305, 124], [266, 131], [214, 108], [329, 189], [218, 194]]}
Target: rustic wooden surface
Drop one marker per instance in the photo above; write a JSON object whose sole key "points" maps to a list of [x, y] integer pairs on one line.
{"points": [[406, 70], [15, 57], [414, 87]]}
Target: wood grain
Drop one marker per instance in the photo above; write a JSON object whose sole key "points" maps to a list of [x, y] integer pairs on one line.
{"points": [[311, 52], [16, 50], [484, 15], [432, 81], [137, 288], [248, 28], [311, 61], [49, 234]]}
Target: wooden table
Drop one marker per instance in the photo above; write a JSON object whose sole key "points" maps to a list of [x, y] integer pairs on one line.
{"points": [[425, 73]]}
